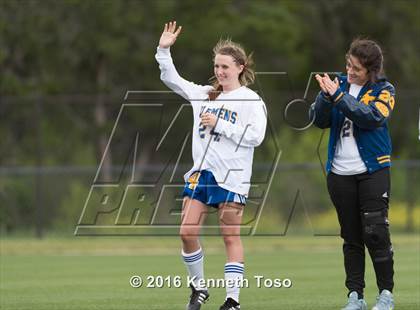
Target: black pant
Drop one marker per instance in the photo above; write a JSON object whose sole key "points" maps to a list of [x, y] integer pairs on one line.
{"points": [[361, 202]]}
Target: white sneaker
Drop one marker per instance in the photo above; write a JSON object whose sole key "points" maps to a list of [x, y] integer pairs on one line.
{"points": [[354, 303], [385, 301]]}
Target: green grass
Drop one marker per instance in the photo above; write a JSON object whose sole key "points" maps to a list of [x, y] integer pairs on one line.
{"points": [[93, 273]]}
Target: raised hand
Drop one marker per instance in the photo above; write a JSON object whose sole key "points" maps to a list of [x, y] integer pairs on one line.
{"points": [[321, 83], [327, 85], [330, 85], [169, 34]]}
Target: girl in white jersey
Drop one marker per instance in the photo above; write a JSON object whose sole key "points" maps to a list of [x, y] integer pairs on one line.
{"points": [[229, 121]]}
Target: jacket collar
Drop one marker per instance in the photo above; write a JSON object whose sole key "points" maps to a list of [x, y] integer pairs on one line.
{"points": [[344, 85]]}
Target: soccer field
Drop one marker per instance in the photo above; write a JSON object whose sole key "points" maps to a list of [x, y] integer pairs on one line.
{"points": [[94, 273]]}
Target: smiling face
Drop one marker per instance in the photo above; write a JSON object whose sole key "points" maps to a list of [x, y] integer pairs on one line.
{"points": [[356, 73], [227, 71]]}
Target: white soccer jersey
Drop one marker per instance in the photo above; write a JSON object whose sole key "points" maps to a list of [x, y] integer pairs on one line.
{"points": [[227, 150], [347, 160]]}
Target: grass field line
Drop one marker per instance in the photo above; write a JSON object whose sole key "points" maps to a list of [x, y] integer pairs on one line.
{"points": [[146, 246]]}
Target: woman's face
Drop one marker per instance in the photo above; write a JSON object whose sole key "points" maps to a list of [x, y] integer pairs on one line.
{"points": [[356, 73], [226, 70]]}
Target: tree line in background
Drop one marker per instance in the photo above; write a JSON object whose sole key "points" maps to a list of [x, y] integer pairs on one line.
{"points": [[65, 66]]}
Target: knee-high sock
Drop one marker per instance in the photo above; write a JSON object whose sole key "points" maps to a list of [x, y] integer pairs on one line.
{"points": [[195, 266], [234, 273]]}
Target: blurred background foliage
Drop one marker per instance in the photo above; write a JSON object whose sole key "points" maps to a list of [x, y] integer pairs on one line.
{"points": [[67, 65]]}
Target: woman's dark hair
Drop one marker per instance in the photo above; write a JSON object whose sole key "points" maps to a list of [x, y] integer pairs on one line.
{"points": [[369, 53]]}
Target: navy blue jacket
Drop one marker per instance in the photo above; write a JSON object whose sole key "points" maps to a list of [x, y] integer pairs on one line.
{"points": [[369, 112]]}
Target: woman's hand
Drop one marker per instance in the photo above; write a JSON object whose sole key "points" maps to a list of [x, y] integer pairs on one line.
{"points": [[327, 85], [208, 119], [330, 85], [169, 35], [321, 83]]}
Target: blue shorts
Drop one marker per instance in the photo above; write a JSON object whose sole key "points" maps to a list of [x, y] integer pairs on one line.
{"points": [[202, 186]]}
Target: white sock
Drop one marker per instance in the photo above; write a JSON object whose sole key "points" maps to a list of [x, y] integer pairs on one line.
{"points": [[234, 273], [195, 266]]}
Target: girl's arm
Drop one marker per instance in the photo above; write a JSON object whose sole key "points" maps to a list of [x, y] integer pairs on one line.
{"points": [[169, 75]]}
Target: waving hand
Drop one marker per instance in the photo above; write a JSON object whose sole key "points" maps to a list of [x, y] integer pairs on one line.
{"points": [[169, 35]]}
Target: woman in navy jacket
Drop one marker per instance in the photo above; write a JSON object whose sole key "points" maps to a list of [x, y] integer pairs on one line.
{"points": [[356, 107]]}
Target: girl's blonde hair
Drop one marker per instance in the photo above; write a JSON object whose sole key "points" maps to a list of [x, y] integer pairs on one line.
{"points": [[237, 52]]}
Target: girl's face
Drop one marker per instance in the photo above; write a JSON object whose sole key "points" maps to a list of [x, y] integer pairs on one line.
{"points": [[226, 70], [356, 73]]}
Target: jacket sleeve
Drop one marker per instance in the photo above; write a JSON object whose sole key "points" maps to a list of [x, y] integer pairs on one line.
{"points": [[371, 111], [171, 78], [320, 111], [250, 135]]}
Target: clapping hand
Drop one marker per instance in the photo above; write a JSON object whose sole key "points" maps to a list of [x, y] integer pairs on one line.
{"points": [[327, 85], [169, 35]]}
